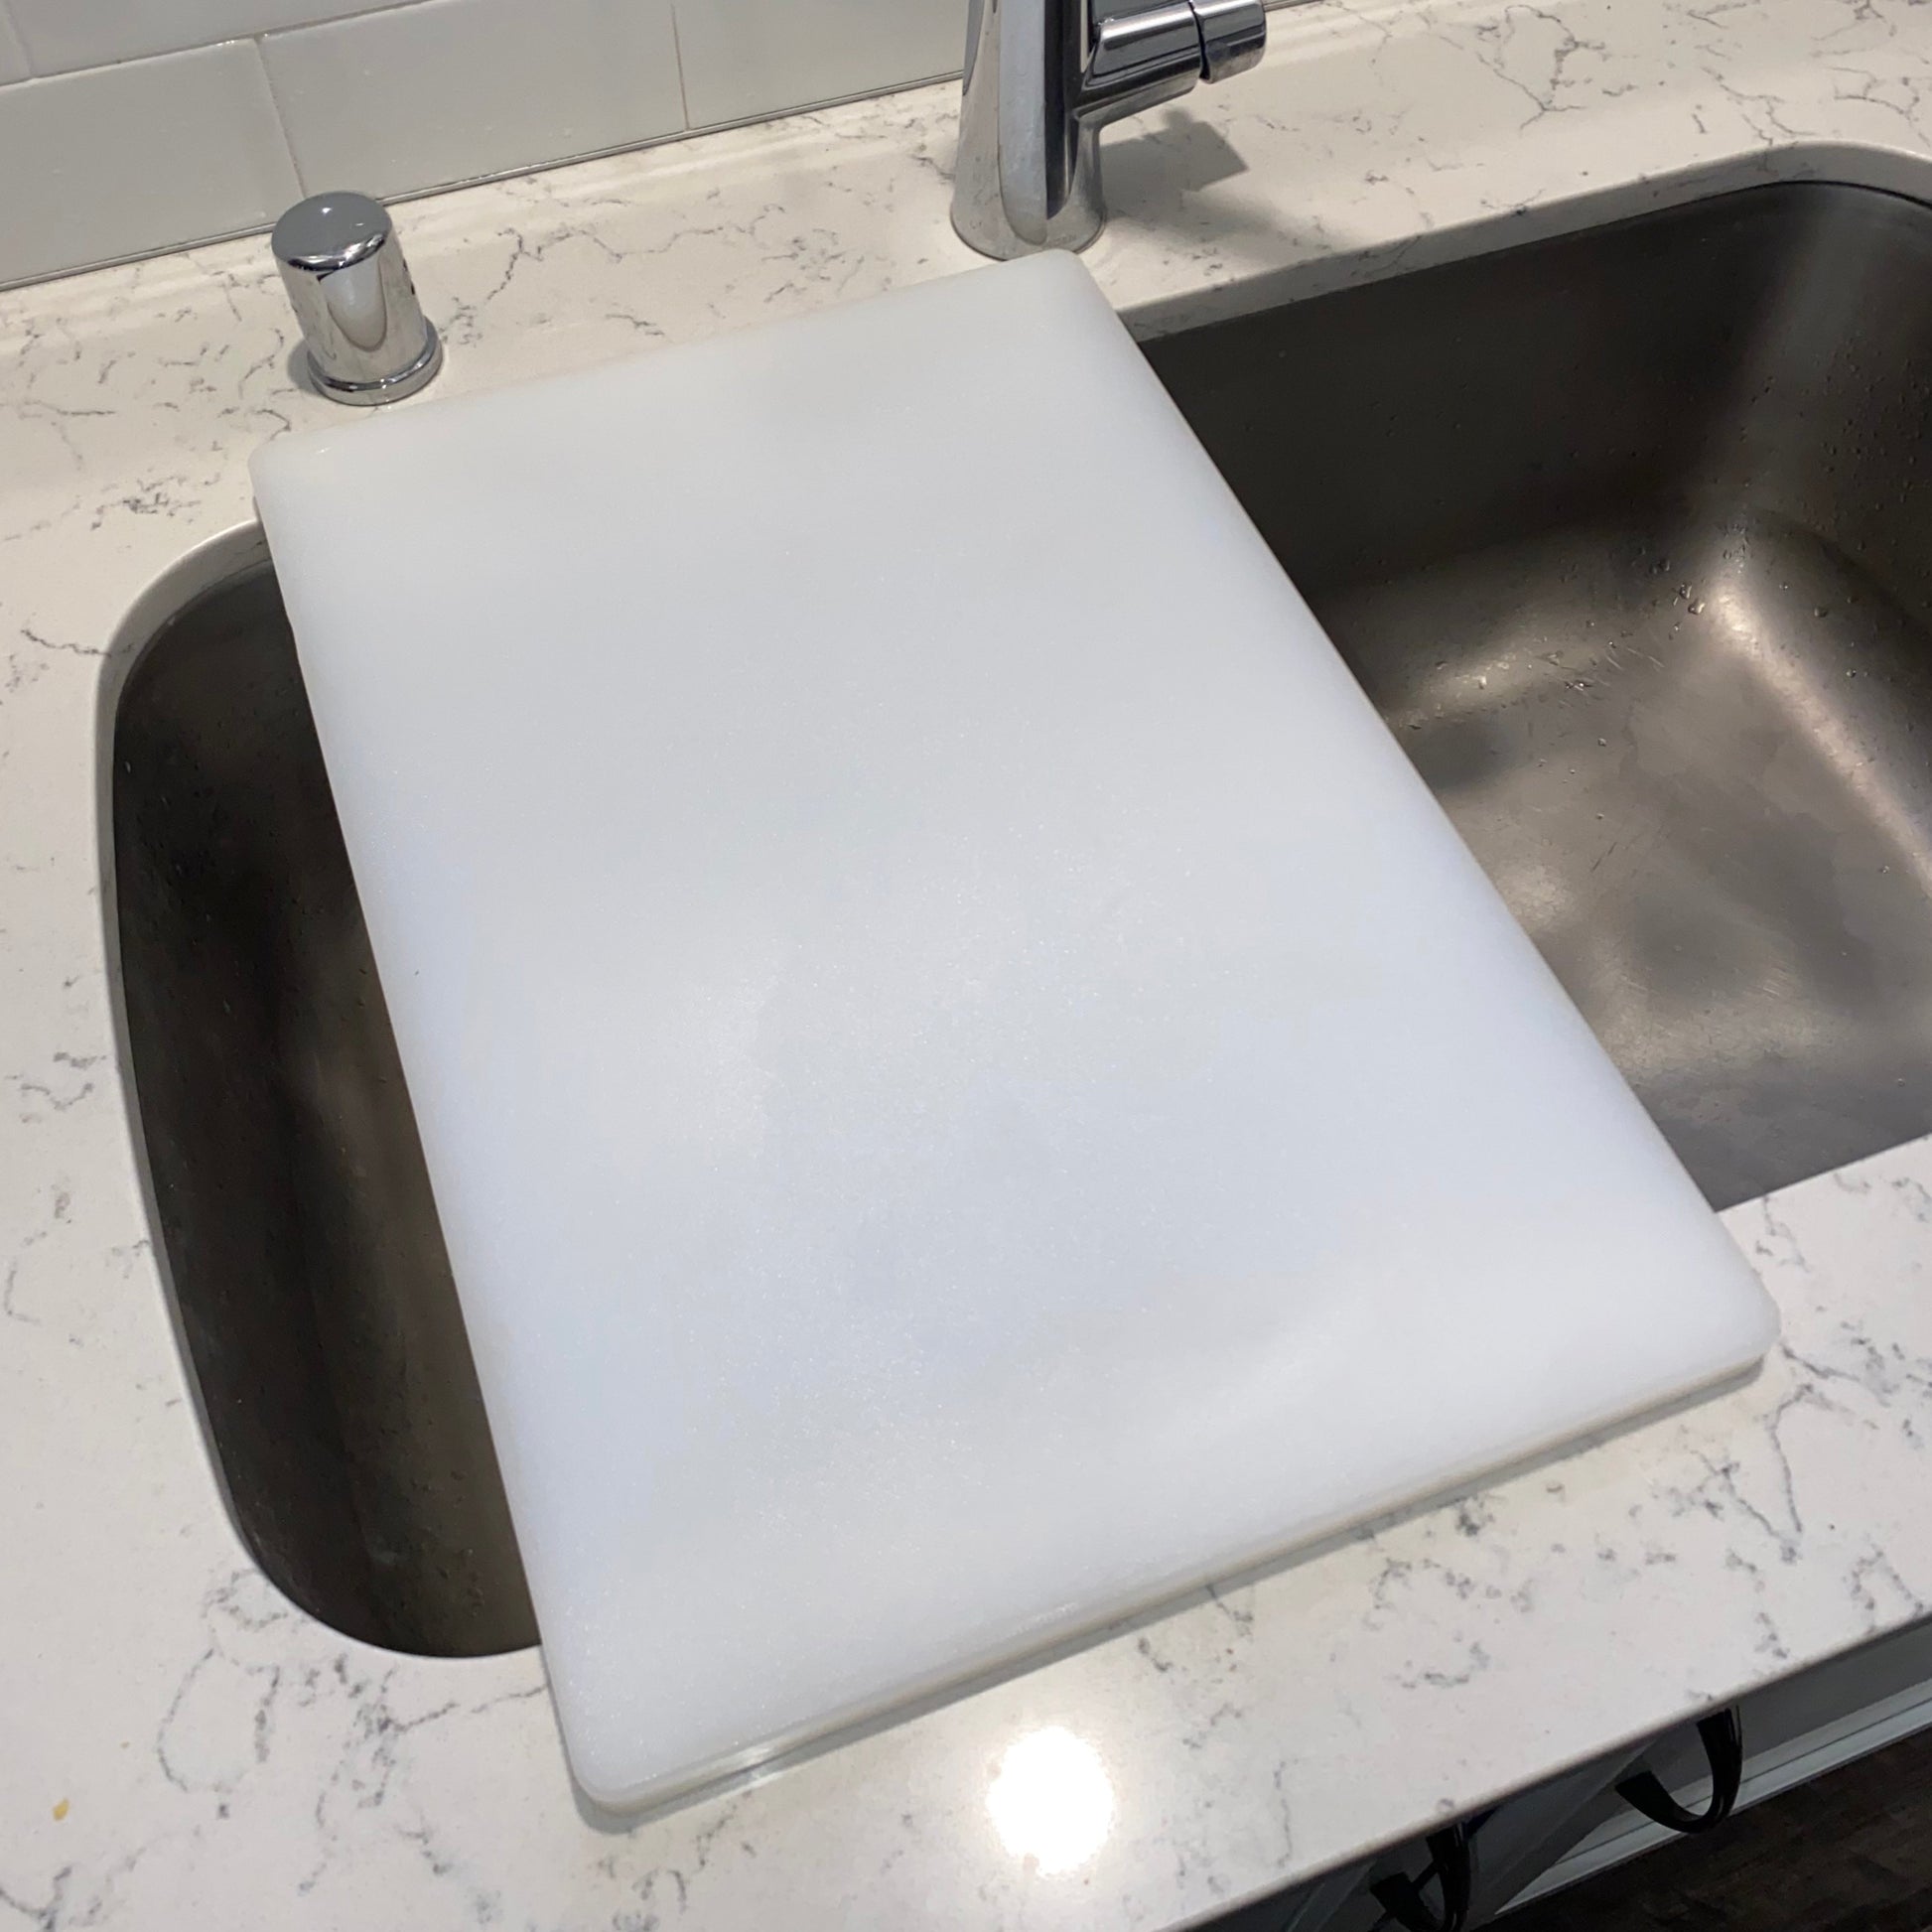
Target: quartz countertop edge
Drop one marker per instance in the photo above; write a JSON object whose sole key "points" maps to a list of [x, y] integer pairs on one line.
{"points": [[184, 1749]]}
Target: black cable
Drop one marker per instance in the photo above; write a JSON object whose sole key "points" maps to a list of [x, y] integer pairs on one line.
{"points": [[1450, 1864], [1723, 1738]]}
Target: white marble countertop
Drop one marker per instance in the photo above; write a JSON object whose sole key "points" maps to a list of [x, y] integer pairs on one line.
{"points": [[182, 1748]]}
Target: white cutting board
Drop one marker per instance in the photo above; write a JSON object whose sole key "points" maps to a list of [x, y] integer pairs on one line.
{"points": [[969, 1085]]}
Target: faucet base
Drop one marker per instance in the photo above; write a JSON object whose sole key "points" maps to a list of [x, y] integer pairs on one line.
{"points": [[1044, 76], [979, 211], [995, 235]]}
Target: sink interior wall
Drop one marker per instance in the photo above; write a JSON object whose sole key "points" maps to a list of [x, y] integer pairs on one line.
{"points": [[313, 1289], [1772, 346]]}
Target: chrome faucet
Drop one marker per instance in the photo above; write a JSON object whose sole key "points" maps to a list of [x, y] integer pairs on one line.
{"points": [[1044, 76]]}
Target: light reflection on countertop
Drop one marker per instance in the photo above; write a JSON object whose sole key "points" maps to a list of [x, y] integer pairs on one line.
{"points": [[1051, 1801]]}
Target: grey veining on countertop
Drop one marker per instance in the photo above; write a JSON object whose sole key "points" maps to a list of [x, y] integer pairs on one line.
{"points": [[184, 1749]]}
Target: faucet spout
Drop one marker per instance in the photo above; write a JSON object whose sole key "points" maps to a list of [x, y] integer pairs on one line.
{"points": [[1044, 77]]}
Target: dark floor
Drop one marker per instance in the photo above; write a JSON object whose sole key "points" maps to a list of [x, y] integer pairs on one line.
{"points": [[1849, 1853]]}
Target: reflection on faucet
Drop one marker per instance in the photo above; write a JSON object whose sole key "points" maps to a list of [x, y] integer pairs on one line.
{"points": [[1051, 1801]]}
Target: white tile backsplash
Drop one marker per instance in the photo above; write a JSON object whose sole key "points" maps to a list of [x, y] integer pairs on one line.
{"points": [[13, 56], [62, 35], [125, 160], [107, 150], [748, 57], [451, 89]]}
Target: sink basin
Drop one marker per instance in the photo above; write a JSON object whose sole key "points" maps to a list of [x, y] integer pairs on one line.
{"points": [[1622, 532], [1629, 537]]}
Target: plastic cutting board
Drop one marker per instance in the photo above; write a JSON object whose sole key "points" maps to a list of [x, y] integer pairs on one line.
{"points": [[968, 1084]]}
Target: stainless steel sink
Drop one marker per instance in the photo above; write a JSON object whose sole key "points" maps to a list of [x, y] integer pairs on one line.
{"points": [[1629, 536], [1624, 533]]}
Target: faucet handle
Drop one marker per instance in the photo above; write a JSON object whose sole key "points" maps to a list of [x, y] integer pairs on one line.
{"points": [[1137, 60], [1153, 54], [1234, 35], [367, 338]]}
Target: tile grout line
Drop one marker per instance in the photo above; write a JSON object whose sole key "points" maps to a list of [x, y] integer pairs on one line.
{"points": [[677, 56], [260, 41], [12, 29], [356, 11]]}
